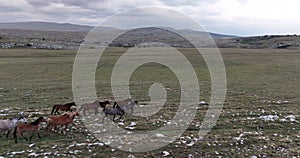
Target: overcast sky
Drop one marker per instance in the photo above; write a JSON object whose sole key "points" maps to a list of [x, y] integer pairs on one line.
{"points": [[237, 17]]}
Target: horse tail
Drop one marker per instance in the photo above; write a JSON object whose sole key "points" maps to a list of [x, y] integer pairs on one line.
{"points": [[54, 106], [15, 133]]}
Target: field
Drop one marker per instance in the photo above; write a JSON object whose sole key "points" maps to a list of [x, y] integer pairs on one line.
{"points": [[260, 82]]}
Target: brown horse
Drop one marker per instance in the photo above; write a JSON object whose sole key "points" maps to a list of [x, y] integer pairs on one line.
{"points": [[127, 104], [28, 127], [94, 106], [64, 120], [63, 107]]}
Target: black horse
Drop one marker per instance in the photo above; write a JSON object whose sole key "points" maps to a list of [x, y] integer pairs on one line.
{"points": [[113, 111]]}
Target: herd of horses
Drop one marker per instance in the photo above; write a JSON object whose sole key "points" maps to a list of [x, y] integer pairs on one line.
{"points": [[20, 124]]}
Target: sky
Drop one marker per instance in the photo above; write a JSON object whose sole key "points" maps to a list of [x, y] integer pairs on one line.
{"points": [[234, 17]]}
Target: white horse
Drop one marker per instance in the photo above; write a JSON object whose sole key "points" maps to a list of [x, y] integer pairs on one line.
{"points": [[10, 124]]}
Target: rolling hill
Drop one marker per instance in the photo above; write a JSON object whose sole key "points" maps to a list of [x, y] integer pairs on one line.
{"points": [[49, 35]]}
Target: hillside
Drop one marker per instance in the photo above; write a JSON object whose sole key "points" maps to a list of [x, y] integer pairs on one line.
{"points": [[48, 35]]}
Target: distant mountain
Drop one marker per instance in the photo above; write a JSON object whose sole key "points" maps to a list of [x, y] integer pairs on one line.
{"points": [[201, 33], [52, 26], [45, 26], [49, 35]]}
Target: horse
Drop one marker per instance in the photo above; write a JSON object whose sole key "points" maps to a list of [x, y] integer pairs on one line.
{"points": [[27, 127], [64, 107], [64, 119], [93, 106], [127, 104], [113, 111], [10, 124]]}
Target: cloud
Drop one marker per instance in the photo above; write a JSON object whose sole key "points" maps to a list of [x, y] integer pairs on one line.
{"points": [[244, 17]]}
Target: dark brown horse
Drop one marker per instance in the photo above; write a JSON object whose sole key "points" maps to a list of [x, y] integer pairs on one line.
{"points": [[127, 104], [93, 106], [28, 127], [63, 107]]}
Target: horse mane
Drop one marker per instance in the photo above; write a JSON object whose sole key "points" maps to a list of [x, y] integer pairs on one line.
{"points": [[72, 115], [103, 104], [36, 122], [70, 104]]}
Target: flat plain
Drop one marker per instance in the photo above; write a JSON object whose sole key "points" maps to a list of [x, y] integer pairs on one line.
{"points": [[261, 84]]}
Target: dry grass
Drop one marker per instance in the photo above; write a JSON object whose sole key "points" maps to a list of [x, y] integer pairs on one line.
{"points": [[34, 80]]}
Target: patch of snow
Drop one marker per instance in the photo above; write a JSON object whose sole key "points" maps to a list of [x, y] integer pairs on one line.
{"points": [[159, 135], [33, 155], [203, 103], [165, 153], [190, 144], [269, 117], [127, 127], [92, 144], [31, 145], [132, 124], [121, 123], [17, 152], [4, 110], [169, 122], [282, 120], [292, 118], [46, 153], [80, 144], [72, 145]]}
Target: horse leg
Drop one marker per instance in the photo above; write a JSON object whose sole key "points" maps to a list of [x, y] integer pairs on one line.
{"points": [[24, 136], [114, 118], [38, 135], [66, 126], [132, 110], [31, 136], [8, 133], [55, 128], [103, 118], [57, 112], [96, 111]]}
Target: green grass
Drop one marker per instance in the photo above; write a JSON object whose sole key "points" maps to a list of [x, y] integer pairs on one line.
{"points": [[34, 80]]}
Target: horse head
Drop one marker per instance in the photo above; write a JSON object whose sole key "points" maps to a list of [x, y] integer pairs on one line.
{"points": [[42, 119], [136, 103], [22, 119]]}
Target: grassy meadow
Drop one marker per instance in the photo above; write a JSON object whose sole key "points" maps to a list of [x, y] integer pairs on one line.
{"points": [[260, 82]]}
